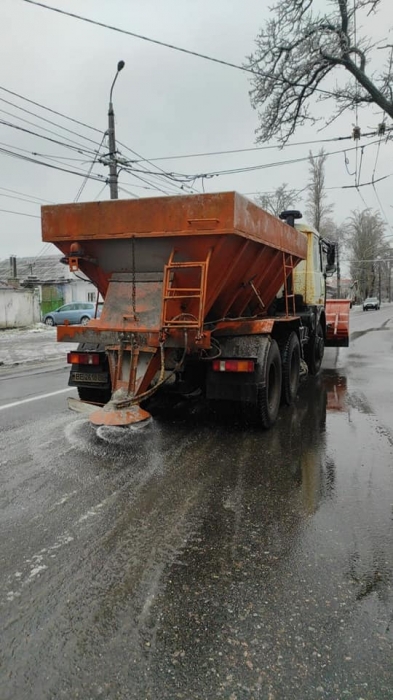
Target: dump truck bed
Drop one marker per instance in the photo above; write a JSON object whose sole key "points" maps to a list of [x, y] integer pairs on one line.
{"points": [[241, 252]]}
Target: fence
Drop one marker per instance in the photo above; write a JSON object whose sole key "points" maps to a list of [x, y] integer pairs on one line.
{"points": [[19, 308]]}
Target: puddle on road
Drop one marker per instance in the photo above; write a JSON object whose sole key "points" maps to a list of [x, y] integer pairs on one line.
{"points": [[336, 390]]}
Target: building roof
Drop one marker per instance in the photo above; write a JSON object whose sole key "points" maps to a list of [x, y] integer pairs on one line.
{"points": [[46, 269]]}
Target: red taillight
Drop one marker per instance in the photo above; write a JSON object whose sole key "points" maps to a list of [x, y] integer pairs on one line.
{"points": [[83, 358], [233, 365]]}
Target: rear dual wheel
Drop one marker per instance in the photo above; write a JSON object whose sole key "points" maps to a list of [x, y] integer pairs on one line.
{"points": [[314, 350], [290, 358], [269, 381], [277, 379]]}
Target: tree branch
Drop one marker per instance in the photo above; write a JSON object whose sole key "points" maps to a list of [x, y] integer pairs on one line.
{"points": [[296, 51]]}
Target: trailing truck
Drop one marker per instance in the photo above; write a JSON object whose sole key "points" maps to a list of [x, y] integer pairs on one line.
{"points": [[203, 294]]}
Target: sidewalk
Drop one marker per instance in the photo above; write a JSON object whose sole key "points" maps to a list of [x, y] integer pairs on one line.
{"points": [[37, 344]]}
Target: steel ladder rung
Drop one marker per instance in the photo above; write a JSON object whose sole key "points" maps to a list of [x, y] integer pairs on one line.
{"points": [[182, 296]]}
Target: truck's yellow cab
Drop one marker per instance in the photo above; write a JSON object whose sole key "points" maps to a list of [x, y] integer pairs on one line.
{"points": [[309, 277]]}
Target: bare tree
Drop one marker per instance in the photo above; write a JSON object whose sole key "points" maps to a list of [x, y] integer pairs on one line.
{"points": [[318, 210], [368, 252], [298, 48], [279, 200]]}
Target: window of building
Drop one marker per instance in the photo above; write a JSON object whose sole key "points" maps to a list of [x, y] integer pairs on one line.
{"points": [[91, 296]]}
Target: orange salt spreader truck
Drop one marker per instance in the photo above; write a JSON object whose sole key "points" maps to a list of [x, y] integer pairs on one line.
{"points": [[202, 293]]}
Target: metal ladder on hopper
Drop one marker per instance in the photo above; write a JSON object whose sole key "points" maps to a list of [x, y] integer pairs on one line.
{"points": [[288, 267], [173, 293]]}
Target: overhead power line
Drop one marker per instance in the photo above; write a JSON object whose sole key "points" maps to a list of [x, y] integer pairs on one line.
{"points": [[363, 184], [141, 36], [44, 155], [138, 177], [48, 121], [11, 149], [44, 128], [140, 159], [49, 109], [179, 177], [81, 150], [39, 200], [257, 148], [12, 154], [20, 199], [197, 54], [160, 172], [20, 213], [87, 176]]}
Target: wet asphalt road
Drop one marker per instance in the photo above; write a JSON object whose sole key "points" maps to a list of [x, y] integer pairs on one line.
{"points": [[198, 560]]}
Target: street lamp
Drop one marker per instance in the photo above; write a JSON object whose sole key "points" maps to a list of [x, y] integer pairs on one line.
{"points": [[112, 141]]}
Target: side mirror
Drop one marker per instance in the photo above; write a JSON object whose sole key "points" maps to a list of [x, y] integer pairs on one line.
{"points": [[331, 255], [331, 266], [329, 272]]}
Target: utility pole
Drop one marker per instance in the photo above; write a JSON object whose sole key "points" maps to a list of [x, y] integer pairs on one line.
{"points": [[390, 281], [113, 174]]}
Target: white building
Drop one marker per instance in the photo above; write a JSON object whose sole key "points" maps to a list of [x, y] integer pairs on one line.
{"points": [[54, 282]]}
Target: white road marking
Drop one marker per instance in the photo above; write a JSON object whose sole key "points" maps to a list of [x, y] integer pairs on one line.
{"points": [[35, 398]]}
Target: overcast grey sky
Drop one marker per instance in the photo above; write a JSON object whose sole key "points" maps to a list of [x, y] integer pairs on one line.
{"points": [[166, 103]]}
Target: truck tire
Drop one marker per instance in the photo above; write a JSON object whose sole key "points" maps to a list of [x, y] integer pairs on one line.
{"points": [[314, 351], [87, 393], [290, 359], [269, 379]]}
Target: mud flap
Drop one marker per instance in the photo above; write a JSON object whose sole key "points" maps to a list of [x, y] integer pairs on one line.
{"points": [[337, 323], [81, 406]]}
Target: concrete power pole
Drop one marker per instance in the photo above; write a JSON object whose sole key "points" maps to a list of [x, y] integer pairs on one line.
{"points": [[113, 174]]}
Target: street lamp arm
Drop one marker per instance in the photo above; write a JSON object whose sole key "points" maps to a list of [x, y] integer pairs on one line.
{"points": [[120, 67]]}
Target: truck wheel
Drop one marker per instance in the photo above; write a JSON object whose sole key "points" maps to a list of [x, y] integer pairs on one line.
{"points": [[314, 351], [290, 358], [269, 384], [87, 393]]}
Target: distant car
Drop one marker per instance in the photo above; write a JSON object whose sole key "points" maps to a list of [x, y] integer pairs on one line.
{"points": [[77, 312], [371, 303]]}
